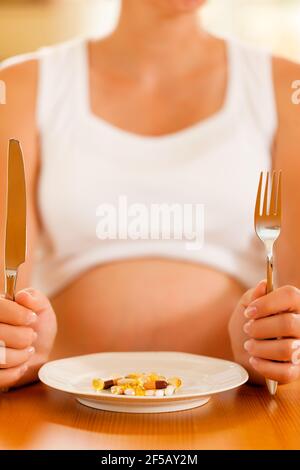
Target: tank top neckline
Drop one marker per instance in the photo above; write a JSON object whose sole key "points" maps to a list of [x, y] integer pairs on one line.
{"points": [[203, 126]]}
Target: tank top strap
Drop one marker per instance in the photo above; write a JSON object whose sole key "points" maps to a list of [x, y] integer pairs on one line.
{"points": [[59, 79], [254, 70]]}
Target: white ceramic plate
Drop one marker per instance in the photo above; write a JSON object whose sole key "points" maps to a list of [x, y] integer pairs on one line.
{"points": [[202, 377]]}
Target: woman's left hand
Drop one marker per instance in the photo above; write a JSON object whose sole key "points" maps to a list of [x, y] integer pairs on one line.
{"points": [[265, 333]]}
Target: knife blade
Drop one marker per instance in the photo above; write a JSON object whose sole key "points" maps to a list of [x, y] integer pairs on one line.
{"points": [[15, 239]]}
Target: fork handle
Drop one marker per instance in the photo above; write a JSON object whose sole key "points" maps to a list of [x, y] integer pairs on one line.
{"points": [[269, 273], [271, 384]]}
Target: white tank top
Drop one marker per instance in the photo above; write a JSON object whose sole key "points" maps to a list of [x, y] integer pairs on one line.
{"points": [[87, 162]]}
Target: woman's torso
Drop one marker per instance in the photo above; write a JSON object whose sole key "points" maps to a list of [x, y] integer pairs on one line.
{"points": [[114, 295]]}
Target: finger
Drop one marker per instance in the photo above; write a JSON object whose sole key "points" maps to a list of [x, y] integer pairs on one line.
{"points": [[16, 357], [283, 299], [281, 325], [14, 314], [282, 372], [17, 337], [275, 350], [33, 300], [9, 377], [254, 293]]}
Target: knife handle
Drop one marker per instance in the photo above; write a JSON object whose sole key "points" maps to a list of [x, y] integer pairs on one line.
{"points": [[10, 283], [10, 288]]}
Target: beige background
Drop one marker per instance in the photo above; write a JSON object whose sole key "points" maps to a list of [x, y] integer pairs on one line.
{"points": [[28, 24]]}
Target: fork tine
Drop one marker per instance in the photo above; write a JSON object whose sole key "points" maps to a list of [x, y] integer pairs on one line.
{"points": [[258, 196], [265, 204], [274, 194], [279, 191]]}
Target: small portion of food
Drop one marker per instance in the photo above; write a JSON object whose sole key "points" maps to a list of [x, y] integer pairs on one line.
{"points": [[149, 385], [155, 384], [101, 384]]}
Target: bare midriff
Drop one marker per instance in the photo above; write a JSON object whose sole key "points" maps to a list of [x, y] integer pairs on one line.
{"points": [[146, 304]]}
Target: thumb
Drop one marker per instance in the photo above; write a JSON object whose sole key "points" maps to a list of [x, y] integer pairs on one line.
{"points": [[33, 300], [258, 291]]}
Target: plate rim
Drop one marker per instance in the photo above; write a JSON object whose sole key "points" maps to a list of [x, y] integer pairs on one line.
{"points": [[146, 400]]}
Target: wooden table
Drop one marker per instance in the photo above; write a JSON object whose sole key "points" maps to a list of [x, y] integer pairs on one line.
{"points": [[36, 417]]}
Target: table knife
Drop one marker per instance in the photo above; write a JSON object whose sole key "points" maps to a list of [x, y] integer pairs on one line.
{"points": [[15, 239]]}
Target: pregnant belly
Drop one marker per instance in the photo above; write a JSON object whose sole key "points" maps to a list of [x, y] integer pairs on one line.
{"points": [[146, 304]]}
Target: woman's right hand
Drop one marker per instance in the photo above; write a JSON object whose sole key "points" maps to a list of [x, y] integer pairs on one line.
{"points": [[27, 333]]}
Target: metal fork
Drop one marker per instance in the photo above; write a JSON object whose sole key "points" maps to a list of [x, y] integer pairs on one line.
{"points": [[267, 226]]}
